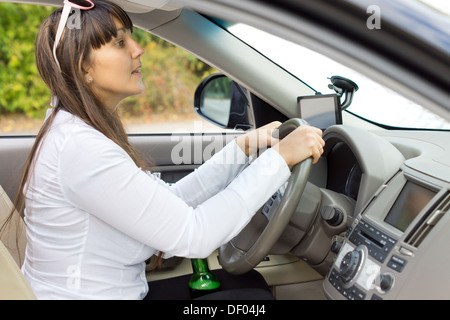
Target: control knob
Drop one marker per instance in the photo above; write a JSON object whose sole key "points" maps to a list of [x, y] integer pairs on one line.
{"points": [[331, 215], [350, 265], [386, 282]]}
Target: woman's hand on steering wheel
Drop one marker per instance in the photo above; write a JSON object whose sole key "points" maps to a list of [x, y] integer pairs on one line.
{"points": [[302, 143], [260, 138]]}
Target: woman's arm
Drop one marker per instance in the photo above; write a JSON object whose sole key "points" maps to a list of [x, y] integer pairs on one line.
{"points": [[217, 173], [211, 177], [99, 178]]}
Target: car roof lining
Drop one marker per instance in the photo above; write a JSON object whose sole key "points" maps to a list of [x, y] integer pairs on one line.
{"points": [[142, 16], [128, 5]]}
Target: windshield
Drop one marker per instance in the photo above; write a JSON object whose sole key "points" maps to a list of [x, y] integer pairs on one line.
{"points": [[372, 101]]}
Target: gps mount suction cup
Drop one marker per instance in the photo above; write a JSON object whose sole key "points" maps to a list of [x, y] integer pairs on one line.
{"points": [[343, 86]]}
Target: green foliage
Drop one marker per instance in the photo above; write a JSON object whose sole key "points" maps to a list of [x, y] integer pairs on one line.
{"points": [[21, 88], [170, 74]]}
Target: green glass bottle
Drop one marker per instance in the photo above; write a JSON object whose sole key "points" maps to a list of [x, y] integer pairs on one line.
{"points": [[202, 281]]}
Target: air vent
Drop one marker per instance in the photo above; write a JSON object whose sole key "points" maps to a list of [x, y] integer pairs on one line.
{"points": [[427, 223]]}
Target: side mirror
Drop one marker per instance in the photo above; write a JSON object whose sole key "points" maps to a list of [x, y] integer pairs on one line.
{"points": [[223, 102]]}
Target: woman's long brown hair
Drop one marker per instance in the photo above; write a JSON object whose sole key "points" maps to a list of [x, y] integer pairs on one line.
{"points": [[75, 96]]}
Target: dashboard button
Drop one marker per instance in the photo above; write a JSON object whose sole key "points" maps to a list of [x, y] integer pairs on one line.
{"points": [[396, 263], [406, 252]]}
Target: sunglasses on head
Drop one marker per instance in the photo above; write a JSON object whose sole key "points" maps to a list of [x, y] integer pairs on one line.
{"points": [[68, 5]]}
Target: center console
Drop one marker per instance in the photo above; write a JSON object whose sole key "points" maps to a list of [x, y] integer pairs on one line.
{"points": [[390, 244]]}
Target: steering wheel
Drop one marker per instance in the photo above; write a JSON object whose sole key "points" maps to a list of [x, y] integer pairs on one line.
{"points": [[238, 261]]}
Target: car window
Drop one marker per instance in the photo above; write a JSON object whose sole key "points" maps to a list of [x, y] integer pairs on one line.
{"points": [[372, 101], [170, 75]]}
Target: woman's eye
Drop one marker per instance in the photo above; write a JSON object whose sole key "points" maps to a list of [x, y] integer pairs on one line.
{"points": [[121, 43]]}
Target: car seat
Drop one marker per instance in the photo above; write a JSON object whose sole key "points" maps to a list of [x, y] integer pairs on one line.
{"points": [[12, 252]]}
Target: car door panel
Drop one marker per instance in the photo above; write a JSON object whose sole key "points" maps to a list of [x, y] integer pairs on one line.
{"points": [[14, 151], [172, 155], [176, 155]]}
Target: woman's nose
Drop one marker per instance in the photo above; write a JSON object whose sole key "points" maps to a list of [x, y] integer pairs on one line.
{"points": [[138, 50]]}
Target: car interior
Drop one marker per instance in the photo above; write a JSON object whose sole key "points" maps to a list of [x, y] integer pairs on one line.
{"points": [[367, 222]]}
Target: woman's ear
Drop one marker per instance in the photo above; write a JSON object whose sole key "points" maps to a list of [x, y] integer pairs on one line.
{"points": [[88, 77], [87, 73]]}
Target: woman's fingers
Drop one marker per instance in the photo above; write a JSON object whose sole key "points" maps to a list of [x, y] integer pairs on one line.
{"points": [[260, 138], [300, 144]]}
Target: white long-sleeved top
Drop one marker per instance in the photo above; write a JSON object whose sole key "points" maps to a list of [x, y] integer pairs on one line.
{"points": [[93, 217]]}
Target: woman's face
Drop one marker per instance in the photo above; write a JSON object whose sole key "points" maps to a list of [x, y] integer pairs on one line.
{"points": [[114, 71]]}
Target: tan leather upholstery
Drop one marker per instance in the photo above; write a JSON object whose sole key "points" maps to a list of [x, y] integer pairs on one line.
{"points": [[13, 285], [13, 237], [12, 252]]}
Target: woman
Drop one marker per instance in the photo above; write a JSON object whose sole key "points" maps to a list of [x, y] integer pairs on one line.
{"points": [[93, 213]]}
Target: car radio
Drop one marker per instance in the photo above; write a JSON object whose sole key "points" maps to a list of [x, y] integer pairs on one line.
{"points": [[384, 240], [378, 243], [353, 270]]}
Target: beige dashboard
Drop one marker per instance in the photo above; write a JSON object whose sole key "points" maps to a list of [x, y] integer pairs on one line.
{"points": [[397, 245]]}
